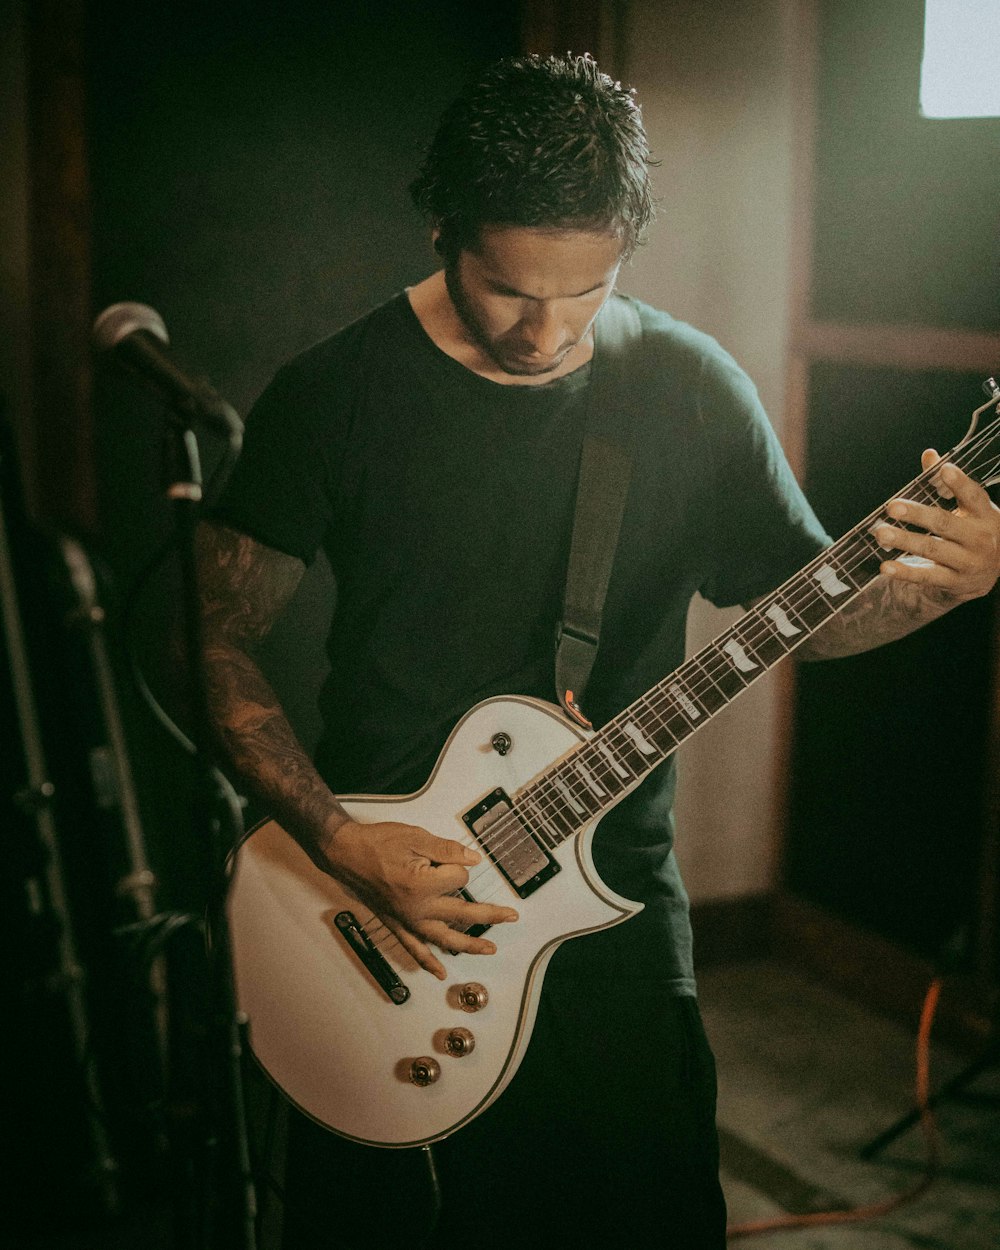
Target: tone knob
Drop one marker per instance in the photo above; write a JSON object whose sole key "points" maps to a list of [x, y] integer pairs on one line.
{"points": [[459, 1042], [472, 996], [424, 1071]]}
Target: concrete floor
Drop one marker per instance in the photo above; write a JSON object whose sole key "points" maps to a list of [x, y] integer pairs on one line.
{"points": [[806, 1078]]}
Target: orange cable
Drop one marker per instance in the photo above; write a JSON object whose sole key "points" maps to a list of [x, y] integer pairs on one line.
{"points": [[928, 1127]]}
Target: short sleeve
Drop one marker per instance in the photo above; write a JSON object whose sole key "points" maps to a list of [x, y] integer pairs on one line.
{"points": [[281, 491], [763, 527]]}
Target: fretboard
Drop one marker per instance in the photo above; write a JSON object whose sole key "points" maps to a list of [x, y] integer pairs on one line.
{"points": [[592, 777]]}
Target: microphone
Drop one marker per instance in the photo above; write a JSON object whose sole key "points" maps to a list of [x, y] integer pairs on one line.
{"points": [[138, 337]]}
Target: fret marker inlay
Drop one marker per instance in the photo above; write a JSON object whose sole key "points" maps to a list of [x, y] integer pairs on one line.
{"points": [[616, 764], [565, 792], [645, 746], [610, 763], [829, 582], [590, 781], [781, 621], [739, 657]]}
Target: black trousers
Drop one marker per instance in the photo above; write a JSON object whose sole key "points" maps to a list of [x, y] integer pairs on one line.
{"points": [[605, 1136]]}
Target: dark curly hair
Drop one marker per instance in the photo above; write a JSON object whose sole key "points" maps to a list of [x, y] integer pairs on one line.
{"points": [[538, 141]]}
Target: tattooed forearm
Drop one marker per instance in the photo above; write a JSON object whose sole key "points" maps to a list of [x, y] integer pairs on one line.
{"points": [[258, 740], [244, 587], [885, 610]]}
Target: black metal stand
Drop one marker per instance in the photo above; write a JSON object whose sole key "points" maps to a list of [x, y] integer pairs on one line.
{"points": [[949, 961], [57, 983], [212, 1133], [952, 1089]]}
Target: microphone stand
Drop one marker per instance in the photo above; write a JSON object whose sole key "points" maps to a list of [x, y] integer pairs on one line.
{"points": [[209, 1119]]}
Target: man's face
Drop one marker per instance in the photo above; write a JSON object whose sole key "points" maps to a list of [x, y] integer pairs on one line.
{"points": [[528, 297]]}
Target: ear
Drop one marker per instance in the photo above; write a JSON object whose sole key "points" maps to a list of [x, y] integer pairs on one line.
{"points": [[436, 240]]}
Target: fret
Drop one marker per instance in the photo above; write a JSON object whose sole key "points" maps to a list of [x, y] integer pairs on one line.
{"points": [[574, 791], [757, 634], [599, 764], [869, 533], [666, 721], [534, 821], [629, 753], [618, 766], [924, 492], [724, 674], [738, 655], [698, 677], [866, 556], [567, 796], [828, 577], [778, 614], [687, 697], [811, 606], [844, 565], [589, 780], [610, 763], [558, 814], [633, 730]]}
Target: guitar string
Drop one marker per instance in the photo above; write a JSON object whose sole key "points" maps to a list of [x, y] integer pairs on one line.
{"points": [[518, 829], [576, 787], [744, 632], [519, 823], [554, 813]]}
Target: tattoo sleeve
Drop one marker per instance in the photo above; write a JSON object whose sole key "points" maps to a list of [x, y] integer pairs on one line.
{"points": [[244, 587], [885, 610]]}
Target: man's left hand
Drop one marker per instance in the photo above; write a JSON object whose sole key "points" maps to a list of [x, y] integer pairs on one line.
{"points": [[959, 550]]}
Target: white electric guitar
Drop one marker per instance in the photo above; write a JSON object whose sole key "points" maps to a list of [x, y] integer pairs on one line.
{"points": [[344, 1021]]}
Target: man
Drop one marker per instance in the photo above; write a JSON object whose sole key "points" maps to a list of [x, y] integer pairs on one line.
{"points": [[432, 449]]}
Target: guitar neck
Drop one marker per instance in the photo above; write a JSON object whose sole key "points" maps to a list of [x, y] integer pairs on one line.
{"points": [[594, 776]]}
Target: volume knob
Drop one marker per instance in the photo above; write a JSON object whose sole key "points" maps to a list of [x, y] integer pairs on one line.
{"points": [[424, 1071], [459, 1042], [472, 996]]}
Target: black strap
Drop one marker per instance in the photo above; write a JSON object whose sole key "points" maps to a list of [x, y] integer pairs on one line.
{"points": [[602, 488]]}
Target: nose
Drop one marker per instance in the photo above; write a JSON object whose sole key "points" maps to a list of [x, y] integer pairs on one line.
{"points": [[543, 330]]}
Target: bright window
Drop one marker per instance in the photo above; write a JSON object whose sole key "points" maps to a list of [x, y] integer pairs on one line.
{"points": [[960, 74]]}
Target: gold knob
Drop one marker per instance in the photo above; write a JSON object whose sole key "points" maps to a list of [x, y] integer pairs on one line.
{"points": [[424, 1071], [473, 996], [459, 1042]]}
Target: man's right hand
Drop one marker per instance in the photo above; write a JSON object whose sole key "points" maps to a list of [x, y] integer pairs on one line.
{"points": [[406, 875], [410, 878]]}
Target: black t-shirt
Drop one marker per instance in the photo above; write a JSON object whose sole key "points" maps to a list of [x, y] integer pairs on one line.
{"points": [[445, 502]]}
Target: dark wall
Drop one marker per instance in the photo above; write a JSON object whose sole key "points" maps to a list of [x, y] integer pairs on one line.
{"points": [[887, 814], [249, 165], [906, 207], [888, 811]]}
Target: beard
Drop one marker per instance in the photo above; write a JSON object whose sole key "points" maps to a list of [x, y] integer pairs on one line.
{"points": [[505, 355]]}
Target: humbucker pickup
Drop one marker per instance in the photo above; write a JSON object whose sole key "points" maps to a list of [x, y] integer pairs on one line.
{"points": [[509, 843]]}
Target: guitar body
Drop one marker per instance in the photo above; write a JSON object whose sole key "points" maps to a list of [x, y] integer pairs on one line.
{"points": [[376, 1049], [335, 1032]]}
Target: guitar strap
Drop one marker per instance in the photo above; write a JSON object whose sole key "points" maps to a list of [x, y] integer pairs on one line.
{"points": [[602, 488]]}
